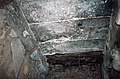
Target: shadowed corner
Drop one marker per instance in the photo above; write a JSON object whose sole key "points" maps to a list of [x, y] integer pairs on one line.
{"points": [[4, 3]]}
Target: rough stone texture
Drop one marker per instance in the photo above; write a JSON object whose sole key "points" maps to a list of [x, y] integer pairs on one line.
{"points": [[71, 47], [78, 29], [6, 62], [17, 54], [54, 10], [58, 24], [116, 60], [75, 72], [4, 3], [42, 27], [115, 37], [24, 45]]}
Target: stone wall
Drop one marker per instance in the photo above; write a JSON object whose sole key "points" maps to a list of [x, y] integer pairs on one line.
{"points": [[36, 28], [67, 26]]}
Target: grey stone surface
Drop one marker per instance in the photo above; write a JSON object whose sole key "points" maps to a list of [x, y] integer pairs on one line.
{"points": [[69, 21], [18, 53], [53, 10], [7, 70], [12, 33], [78, 46], [41, 27], [83, 30], [18, 23], [116, 59], [2, 31], [15, 20], [56, 26]]}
